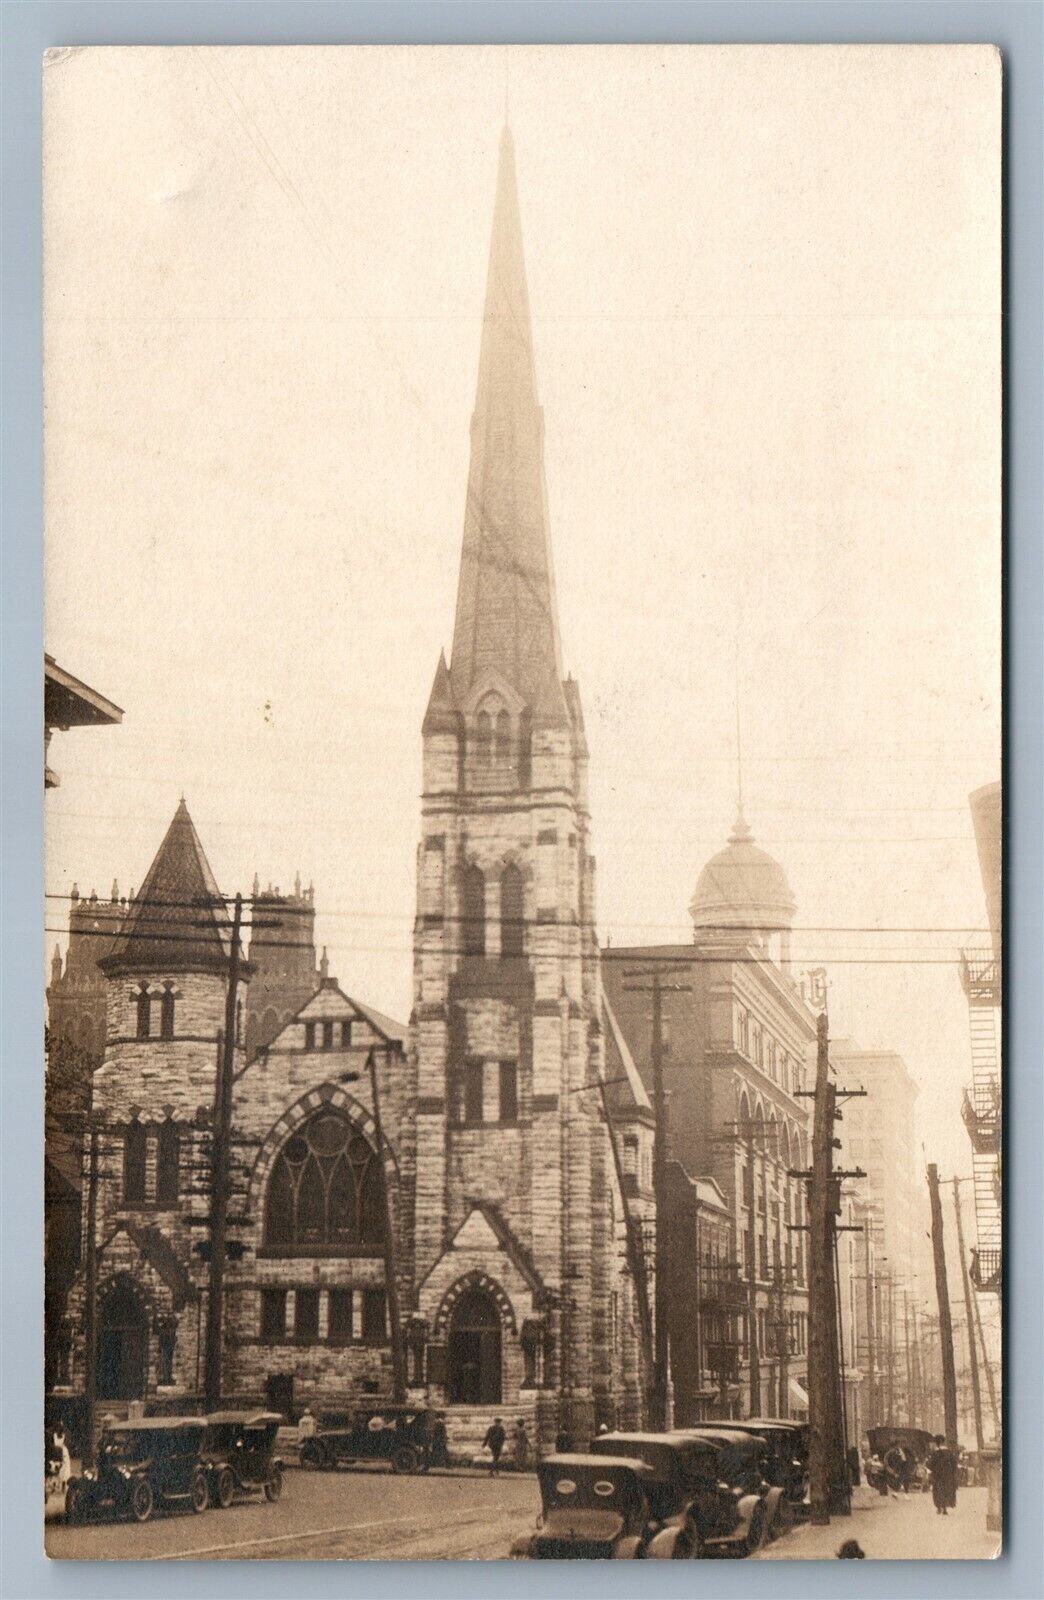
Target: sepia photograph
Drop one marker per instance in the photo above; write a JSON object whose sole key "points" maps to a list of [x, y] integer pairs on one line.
{"points": [[523, 816]]}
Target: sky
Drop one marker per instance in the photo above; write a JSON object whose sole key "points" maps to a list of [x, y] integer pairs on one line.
{"points": [[765, 287]]}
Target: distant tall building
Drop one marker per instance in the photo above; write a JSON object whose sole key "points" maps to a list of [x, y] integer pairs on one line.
{"points": [[523, 1293], [737, 1037], [282, 954], [878, 1134]]}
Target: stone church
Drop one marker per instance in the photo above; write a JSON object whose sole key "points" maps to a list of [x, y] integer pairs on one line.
{"points": [[514, 1169]]}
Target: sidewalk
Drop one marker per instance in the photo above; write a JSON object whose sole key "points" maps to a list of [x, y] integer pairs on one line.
{"points": [[904, 1529]]}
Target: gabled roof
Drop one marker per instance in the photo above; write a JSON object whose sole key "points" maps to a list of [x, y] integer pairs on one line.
{"points": [[177, 921], [509, 1242], [397, 1032]]}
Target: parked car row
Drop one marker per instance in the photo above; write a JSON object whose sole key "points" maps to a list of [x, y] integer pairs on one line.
{"points": [[409, 1438], [717, 1490], [178, 1461]]}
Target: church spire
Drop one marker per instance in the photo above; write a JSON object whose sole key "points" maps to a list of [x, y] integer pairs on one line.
{"points": [[506, 617]]}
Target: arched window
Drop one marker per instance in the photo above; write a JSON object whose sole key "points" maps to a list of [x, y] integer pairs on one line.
{"points": [[325, 1195], [512, 911], [503, 736], [484, 737], [473, 912], [144, 1003], [167, 1152], [167, 1012], [525, 748], [134, 1164]]}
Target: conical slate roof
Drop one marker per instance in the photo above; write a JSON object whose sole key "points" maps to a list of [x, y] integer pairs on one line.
{"points": [[177, 921], [742, 887], [506, 615]]}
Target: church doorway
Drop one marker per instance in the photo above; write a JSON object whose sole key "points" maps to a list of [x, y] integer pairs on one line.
{"points": [[123, 1344], [473, 1351]]}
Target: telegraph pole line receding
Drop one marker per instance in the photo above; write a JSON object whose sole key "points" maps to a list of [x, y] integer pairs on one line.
{"points": [[212, 1375]]}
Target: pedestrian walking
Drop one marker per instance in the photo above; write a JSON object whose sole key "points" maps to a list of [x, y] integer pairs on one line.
{"points": [[494, 1443], [942, 1464], [306, 1424], [62, 1457], [520, 1446], [439, 1451]]}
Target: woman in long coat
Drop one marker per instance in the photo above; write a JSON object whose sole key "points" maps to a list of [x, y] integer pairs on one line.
{"points": [[942, 1464]]}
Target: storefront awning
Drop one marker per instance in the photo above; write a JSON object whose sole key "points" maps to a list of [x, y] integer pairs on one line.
{"points": [[798, 1397]]}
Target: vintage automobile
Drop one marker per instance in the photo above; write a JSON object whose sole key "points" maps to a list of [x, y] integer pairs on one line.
{"points": [[238, 1454], [403, 1436], [889, 1445], [141, 1464], [593, 1508], [785, 1462], [744, 1463], [689, 1492]]}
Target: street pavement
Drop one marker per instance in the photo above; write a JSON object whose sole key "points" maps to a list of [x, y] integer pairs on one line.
{"points": [[328, 1516], [903, 1528]]}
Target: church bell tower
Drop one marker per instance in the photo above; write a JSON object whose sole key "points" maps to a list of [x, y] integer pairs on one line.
{"points": [[512, 1251]]}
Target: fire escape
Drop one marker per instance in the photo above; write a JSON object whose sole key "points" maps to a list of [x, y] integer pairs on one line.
{"points": [[981, 1110], [723, 1304]]}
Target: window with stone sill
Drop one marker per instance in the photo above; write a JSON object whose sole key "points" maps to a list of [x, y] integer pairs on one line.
{"points": [[273, 1314], [167, 1012], [474, 1082], [374, 1325], [339, 1316], [168, 1152], [306, 1315], [134, 1165], [508, 1091]]}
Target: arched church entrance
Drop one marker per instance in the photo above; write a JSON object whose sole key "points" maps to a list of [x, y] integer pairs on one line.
{"points": [[123, 1344], [473, 1351]]}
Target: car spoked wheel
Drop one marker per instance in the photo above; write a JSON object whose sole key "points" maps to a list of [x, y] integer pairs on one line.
{"points": [[75, 1504], [756, 1533], [141, 1500], [225, 1488], [199, 1493], [405, 1459], [274, 1484]]}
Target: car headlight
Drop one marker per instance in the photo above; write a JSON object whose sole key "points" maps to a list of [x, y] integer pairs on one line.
{"points": [[124, 1473]]}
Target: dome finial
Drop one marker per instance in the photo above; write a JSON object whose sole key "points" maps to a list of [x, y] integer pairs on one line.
{"points": [[741, 831]]}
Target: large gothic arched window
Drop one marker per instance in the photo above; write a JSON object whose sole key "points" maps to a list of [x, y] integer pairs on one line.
{"points": [[324, 1195]]}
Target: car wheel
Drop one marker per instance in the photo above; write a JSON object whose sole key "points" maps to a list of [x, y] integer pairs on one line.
{"points": [[75, 1504], [199, 1492], [274, 1484], [756, 1531], [405, 1459], [141, 1500], [224, 1488], [313, 1455]]}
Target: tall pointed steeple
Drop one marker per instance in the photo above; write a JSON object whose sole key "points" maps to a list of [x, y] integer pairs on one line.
{"points": [[507, 618]]}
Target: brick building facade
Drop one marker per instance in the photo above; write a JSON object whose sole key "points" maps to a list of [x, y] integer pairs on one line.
{"points": [[736, 1036]]}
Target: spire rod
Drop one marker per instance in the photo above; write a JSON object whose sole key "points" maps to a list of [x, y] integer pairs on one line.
{"points": [[741, 831]]}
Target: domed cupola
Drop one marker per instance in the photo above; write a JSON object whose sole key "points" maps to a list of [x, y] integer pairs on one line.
{"points": [[742, 887]]}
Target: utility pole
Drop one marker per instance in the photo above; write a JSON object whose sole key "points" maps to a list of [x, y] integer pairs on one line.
{"points": [[652, 983], [90, 1310], [871, 1374], [822, 1319], [219, 1179], [753, 1341], [973, 1359], [949, 1375], [908, 1354], [390, 1277]]}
